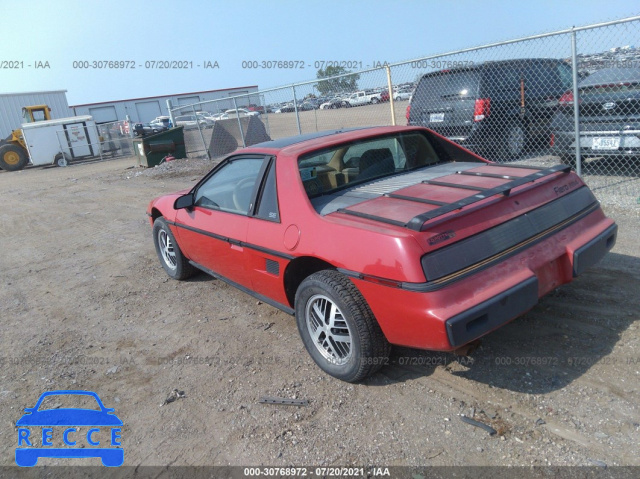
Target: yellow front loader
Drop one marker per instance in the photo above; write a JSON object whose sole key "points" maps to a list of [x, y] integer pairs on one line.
{"points": [[13, 150]]}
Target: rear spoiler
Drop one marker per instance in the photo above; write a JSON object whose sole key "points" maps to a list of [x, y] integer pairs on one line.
{"points": [[417, 222]]}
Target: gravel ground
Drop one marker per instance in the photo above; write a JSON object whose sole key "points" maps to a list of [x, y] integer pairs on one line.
{"points": [[86, 305]]}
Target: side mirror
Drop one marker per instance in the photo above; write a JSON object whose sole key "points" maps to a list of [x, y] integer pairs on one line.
{"points": [[185, 201]]}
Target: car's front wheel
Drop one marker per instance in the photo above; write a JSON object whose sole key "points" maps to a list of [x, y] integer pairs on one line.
{"points": [[171, 258], [338, 328]]}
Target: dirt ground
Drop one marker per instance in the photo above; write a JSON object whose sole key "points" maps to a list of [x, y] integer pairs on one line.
{"points": [[86, 305]]}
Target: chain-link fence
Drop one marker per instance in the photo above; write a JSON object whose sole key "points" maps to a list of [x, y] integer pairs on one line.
{"points": [[83, 142], [518, 100], [115, 139]]}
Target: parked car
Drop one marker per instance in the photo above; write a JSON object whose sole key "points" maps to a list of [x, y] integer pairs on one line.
{"points": [[372, 237], [384, 95], [402, 94], [144, 129], [314, 101], [360, 98], [190, 122], [306, 106], [207, 117], [254, 107], [492, 108], [609, 101], [163, 121], [332, 104], [289, 107], [240, 111]]}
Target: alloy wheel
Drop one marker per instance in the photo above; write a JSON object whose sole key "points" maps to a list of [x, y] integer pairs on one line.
{"points": [[328, 329]]}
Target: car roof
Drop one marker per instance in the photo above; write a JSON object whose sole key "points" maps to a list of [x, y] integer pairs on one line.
{"points": [[491, 63], [323, 139], [612, 75], [292, 140]]}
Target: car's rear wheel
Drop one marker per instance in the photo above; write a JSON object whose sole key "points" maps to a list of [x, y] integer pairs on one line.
{"points": [[171, 258], [374, 100], [513, 142], [338, 328]]}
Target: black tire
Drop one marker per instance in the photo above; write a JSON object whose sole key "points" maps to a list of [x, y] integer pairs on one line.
{"points": [[367, 349], [171, 258], [13, 157], [514, 140], [374, 100]]}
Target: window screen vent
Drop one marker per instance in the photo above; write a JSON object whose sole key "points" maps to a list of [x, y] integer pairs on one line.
{"points": [[273, 267]]}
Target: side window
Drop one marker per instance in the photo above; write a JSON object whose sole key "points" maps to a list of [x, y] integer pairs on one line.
{"points": [[268, 203], [566, 76], [231, 187], [541, 79], [503, 81]]}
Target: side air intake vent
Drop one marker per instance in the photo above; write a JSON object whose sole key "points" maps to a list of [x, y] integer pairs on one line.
{"points": [[273, 267]]}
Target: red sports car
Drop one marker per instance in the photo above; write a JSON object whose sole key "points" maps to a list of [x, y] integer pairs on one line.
{"points": [[380, 236]]}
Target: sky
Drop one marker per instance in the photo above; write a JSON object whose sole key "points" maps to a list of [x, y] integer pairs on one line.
{"points": [[46, 43]]}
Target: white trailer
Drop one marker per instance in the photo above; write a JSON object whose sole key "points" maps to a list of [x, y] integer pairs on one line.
{"points": [[62, 140]]}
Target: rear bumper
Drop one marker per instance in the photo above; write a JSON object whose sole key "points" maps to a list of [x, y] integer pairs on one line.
{"points": [[594, 250], [493, 313], [519, 299], [565, 143], [448, 318]]}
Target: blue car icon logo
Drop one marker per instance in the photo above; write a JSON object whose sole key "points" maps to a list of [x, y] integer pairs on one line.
{"points": [[36, 434]]}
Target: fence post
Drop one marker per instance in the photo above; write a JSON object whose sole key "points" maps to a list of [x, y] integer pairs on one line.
{"points": [[235, 105], [64, 162], [170, 108], [200, 131], [391, 103], [576, 101], [295, 106], [266, 115]]}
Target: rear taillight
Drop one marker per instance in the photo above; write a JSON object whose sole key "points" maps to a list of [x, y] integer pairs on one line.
{"points": [[481, 109], [552, 142], [408, 112], [566, 99]]}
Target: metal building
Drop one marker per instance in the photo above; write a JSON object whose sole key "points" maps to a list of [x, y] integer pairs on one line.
{"points": [[143, 110], [11, 105]]}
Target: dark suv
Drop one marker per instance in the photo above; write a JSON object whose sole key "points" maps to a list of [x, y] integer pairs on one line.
{"points": [[492, 108]]}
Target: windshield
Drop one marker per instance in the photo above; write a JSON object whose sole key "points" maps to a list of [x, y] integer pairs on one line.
{"points": [[441, 88], [330, 170]]}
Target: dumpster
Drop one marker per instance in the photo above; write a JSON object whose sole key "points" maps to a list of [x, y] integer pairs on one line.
{"points": [[151, 149]]}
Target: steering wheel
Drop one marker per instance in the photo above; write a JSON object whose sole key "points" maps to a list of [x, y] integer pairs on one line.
{"points": [[242, 194]]}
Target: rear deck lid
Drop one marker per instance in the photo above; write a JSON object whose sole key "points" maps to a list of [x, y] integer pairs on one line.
{"points": [[460, 202]]}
